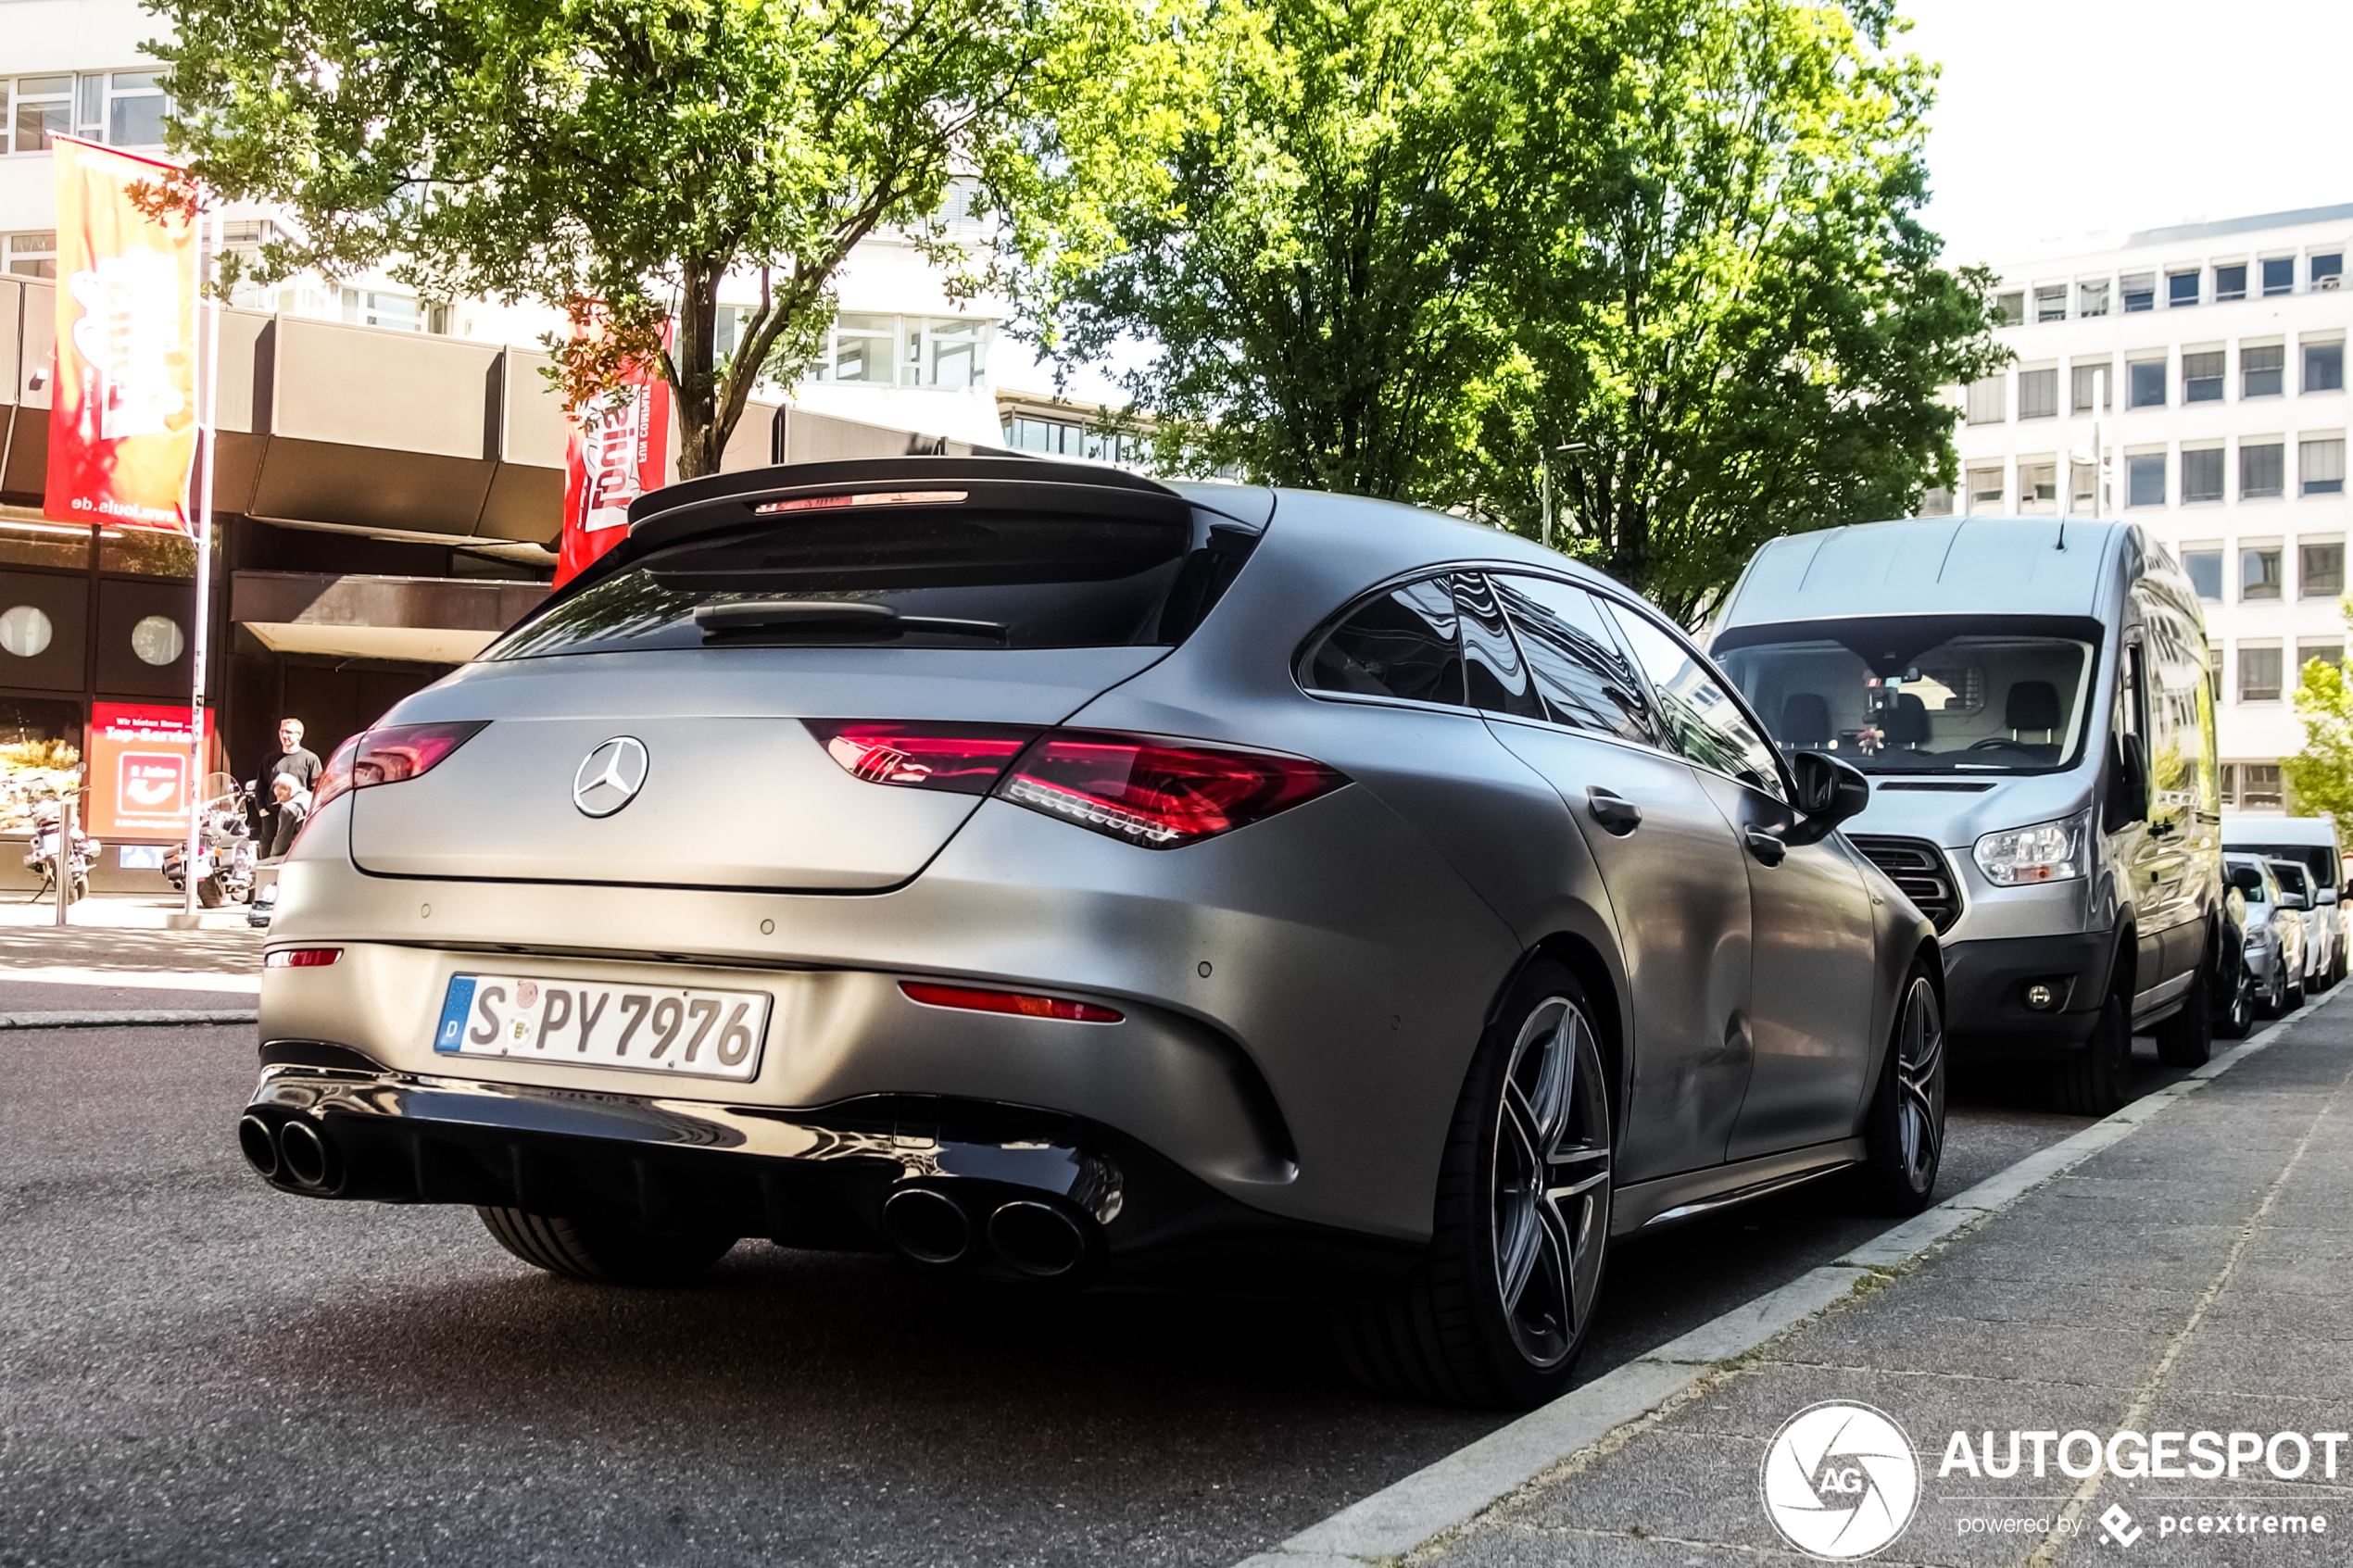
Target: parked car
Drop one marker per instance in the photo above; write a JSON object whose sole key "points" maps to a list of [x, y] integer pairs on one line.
{"points": [[2274, 935], [2312, 843], [2296, 891], [2238, 1015], [2029, 696], [1052, 875]]}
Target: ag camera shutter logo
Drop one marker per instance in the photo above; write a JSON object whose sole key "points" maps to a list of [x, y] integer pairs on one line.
{"points": [[1840, 1480]]}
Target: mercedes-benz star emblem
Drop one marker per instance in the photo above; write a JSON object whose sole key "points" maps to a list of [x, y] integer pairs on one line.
{"points": [[611, 777]]}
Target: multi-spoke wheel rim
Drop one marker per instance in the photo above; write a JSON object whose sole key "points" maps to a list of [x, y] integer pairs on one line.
{"points": [[1920, 1083], [1550, 1193]]}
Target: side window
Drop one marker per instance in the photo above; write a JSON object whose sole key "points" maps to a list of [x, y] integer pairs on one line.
{"points": [[2179, 719], [1498, 676], [1706, 724], [1575, 658], [1402, 643]]}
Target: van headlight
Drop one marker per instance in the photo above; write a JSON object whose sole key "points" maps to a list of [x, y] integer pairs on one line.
{"points": [[2045, 852]]}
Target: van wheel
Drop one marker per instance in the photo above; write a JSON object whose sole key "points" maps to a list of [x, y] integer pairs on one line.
{"points": [[2096, 1080], [2186, 1039], [1904, 1133], [604, 1251], [1498, 1308]]}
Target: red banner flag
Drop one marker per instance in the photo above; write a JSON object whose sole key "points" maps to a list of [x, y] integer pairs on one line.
{"points": [[619, 449], [122, 420]]}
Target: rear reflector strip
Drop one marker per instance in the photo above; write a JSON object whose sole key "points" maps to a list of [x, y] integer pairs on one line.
{"points": [[1017, 1002], [301, 958], [865, 498]]}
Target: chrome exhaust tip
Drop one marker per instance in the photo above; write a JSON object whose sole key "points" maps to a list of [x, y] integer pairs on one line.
{"points": [[303, 1156], [1036, 1238], [259, 1144], [927, 1226]]}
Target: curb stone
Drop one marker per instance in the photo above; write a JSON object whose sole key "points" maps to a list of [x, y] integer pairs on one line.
{"points": [[1442, 1497], [133, 1018]]}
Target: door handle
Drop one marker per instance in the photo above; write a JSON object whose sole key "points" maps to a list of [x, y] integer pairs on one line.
{"points": [[1768, 849], [1615, 813]]}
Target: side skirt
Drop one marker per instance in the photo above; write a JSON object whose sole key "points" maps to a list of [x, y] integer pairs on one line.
{"points": [[1652, 1204]]}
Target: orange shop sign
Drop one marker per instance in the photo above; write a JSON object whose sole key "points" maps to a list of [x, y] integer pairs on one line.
{"points": [[139, 770]]}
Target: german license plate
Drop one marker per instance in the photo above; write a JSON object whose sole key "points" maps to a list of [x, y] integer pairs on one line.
{"points": [[687, 1033]]}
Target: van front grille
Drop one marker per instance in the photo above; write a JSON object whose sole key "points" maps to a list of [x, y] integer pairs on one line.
{"points": [[1920, 870]]}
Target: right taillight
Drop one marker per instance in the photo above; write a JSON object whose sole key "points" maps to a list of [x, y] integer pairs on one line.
{"points": [[1138, 789], [389, 755]]}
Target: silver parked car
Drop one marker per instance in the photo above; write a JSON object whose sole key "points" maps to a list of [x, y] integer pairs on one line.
{"points": [[1050, 873], [2274, 933]]}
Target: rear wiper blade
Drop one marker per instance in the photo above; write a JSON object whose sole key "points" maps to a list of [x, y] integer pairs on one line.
{"points": [[832, 615]]}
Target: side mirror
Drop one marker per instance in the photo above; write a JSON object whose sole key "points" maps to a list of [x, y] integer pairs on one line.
{"points": [[2292, 900], [2326, 897], [2128, 789], [1829, 792]]}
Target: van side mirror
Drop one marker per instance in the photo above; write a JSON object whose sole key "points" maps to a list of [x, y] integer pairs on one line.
{"points": [[1829, 792], [2325, 897], [2292, 900], [2128, 787]]}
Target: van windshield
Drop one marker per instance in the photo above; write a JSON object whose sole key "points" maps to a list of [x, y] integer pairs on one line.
{"points": [[2318, 858], [1922, 693]]}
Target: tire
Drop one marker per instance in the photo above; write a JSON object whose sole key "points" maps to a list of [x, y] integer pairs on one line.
{"points": [[2097, 1079], [1499, 1306], [2239, 1017], [2274, 1000], [1904, 1132], [2186, 1039], [603, 1251], [2295, 997]]}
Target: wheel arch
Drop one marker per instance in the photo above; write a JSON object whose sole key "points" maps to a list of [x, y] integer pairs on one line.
{"points": [[1604, 987]]}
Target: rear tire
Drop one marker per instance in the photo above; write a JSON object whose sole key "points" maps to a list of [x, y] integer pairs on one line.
{"points": [[603, 1251], [2186, 1039], [1904, 1133], [2097, 1079], [1499, 1306]]}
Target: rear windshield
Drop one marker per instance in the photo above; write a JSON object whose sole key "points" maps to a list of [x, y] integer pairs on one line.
{"points": [[918, 578]]}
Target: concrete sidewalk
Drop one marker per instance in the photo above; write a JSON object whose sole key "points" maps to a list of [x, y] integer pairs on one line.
{"points": [[2191, 1278], [113, 960]]}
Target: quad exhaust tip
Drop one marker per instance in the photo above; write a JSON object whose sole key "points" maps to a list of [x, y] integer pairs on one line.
{"points": [[928, 1226], [1036, 1238], [258, 1144], [303, 1156]]}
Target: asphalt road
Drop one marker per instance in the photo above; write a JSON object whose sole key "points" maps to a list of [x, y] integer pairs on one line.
{"points": [[195, 1370]]}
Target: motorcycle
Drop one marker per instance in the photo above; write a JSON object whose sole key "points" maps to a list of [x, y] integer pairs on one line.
{"points": [[44, 859], [225, 853]]}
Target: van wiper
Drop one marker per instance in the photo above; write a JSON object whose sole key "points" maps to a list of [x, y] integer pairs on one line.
{"points": [[854, 616]]}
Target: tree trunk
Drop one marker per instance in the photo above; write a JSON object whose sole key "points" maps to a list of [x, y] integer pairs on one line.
{"points": [[703, 427]]}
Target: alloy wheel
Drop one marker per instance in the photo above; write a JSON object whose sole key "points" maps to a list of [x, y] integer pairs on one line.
{"points": [[1550, 1185], [1919, 1082]]}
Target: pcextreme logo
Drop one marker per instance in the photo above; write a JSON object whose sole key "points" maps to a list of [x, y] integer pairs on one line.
{"points": [[1840, 1480]]}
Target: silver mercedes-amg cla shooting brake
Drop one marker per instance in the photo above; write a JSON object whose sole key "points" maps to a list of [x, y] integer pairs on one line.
{"points": [[1047, 872]]}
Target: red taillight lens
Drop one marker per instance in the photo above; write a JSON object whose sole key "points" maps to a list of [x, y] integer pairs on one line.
{"points": [[390, 755], [1019, 1002], [966, 758], [301, 958], [1159, 796]]}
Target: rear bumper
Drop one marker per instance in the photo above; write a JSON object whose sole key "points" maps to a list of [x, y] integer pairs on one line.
{"points": [[816, 1178], [1985, 988]]}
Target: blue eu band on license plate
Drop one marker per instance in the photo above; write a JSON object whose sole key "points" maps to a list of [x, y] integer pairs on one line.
{"points": [[677, 1030]]}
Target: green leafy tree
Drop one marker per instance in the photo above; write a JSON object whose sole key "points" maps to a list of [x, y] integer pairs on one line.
{"points": [[625, 156], [2319, 777]]}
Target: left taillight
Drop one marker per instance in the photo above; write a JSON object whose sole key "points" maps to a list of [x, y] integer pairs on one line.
{"points": [[1138, 789], [389, 755]]}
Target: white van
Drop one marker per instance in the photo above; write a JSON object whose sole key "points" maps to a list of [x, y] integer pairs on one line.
{"points": [[2312, 843]]}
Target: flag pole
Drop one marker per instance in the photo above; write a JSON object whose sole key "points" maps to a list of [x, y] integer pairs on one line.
{"points": [[210, 431]]}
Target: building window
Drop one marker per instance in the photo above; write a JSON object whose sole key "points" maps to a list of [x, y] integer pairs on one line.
{"points": [[2202, 378], [2259, 785], [2320, 466], [2050, 303], [2259, 578], [2324, 367], [2091, 299], [2147, 385], [2181, 289], [2258, 674], [374, 308], [34, 255], [2038, 489], [2205, 568], [1985, 401], [2260, 470], [1985, 490], [2087, 385], [1936, 501], [2214, 692], [2279, 275], [2202, 475], [2084, 479], [2139, 290], [135, 108], [2331, 653], [2145, 479], [2229, 770], [2260, 370], [41, 106], [2328, 271], [2012, 308], [2322, 573], [2230, 283], [2037, 394], [862, 350]]}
